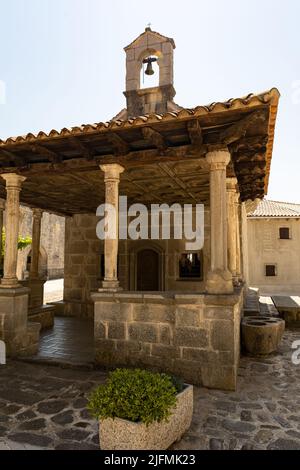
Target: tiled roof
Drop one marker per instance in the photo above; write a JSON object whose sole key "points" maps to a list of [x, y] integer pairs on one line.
{"points": [[276, 209], [270, 97]]}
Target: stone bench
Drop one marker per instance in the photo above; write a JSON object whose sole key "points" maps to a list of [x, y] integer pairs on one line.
{"points": [[289, 309], [43, 315]]}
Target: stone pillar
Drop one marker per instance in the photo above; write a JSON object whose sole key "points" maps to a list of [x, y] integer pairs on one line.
{"points": [[244, 237], [112, 178], [238, 239], [2, 208], [13, 188], [35, 247], [232, 226], [219, 279]]}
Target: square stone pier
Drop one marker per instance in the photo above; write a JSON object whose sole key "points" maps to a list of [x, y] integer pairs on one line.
{"points": [[193, 336]]}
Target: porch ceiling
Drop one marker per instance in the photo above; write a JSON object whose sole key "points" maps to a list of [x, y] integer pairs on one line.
{"points": [[163, 156]]}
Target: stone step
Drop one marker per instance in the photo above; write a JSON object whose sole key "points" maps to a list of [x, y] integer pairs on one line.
{"points": [[251, 306], [64, 364]]}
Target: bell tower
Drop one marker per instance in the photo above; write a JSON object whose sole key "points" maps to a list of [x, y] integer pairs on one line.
{"points": [[147, 48]]}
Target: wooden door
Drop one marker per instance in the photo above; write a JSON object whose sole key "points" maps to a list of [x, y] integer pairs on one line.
{"points": [[147, 270]]}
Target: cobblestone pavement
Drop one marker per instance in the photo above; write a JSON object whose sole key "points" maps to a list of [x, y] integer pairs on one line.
{"points": [[44, 407]]}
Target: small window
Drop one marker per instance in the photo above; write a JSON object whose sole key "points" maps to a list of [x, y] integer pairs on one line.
{"points": [[270, 270], [190, 266], [284, 233]]}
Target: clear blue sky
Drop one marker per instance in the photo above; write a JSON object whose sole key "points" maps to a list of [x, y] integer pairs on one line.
{"points": [[63, 62]]}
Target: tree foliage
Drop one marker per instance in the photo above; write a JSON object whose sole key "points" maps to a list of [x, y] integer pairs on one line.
{"points": [[23, 242]]}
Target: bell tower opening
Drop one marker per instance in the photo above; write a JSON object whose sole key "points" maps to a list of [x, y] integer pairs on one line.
{"points": [[150, 71], [149, 74]]}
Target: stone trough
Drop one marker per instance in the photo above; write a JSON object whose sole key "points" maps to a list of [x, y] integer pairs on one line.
{"points": [[261, 335]]}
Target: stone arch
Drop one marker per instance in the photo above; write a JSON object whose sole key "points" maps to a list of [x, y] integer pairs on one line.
{"points": [[137, 248]]}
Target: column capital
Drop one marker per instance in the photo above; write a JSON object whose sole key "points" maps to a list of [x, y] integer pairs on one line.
{"points": [[231, 184], [112, 171], [13, 180], [218, 159], [37, 213], [251, 205]]}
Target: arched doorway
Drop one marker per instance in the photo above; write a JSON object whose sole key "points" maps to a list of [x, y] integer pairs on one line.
{"points": [[147, 270]]}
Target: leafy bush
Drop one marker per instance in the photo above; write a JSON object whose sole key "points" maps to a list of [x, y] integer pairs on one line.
{"points": [[134, 394], [23, 242]]}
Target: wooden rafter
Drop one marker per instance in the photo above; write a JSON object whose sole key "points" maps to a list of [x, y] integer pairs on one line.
{"points": [[120, 146], [52, 156], [81, 147], [155, 138], [239, 129]]}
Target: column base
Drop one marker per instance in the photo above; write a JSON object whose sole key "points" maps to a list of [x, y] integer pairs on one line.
{"points": [[10, 283], [219, 282], [110, 286]]}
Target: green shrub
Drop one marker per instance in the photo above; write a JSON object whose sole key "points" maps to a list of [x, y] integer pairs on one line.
{"points": [[134, 394]]}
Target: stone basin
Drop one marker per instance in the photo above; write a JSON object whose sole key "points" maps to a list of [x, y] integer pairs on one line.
{"points": [[261, 335]]}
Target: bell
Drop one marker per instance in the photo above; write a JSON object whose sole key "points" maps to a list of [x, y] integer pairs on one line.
{"points": [[149, 70]]}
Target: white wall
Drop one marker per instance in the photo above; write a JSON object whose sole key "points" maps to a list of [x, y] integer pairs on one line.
{"points": [[265, 247]]}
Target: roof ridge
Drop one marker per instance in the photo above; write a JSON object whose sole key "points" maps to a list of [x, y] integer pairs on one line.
{"points": [[283, 202]]}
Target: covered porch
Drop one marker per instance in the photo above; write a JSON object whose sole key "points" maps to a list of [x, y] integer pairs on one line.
{"points": [[219, 156]]}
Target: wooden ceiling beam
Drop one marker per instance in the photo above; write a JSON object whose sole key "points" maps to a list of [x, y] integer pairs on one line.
{"points": [[52, 156], [239, 129], [155, 138], [12, 157], [81, 147], [131, 160], [121, 147], [256, 143]]}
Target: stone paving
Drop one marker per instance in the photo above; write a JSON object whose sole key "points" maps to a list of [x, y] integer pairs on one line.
{"points": [[44, 407], [71, 340]]}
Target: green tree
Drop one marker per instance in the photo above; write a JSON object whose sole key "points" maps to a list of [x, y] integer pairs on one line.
{"points": [[23, 242]]}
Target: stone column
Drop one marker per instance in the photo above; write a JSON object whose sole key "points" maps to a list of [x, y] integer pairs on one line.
{"points": [[35, 247], [231, 184], [219, 279], [13, 188], [238, 239], [2, 208], [112, 179], [244, 236]]}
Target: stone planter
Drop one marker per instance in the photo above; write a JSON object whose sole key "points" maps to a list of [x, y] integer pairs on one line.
{"points": [[120, 434], [261, 335]]}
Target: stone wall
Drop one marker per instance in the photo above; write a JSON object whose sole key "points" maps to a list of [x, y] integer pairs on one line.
{"points": [[196, 337], [52, 244]]}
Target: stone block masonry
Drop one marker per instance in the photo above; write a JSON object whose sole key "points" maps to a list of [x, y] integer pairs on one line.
{"points": [[193, 336]]}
